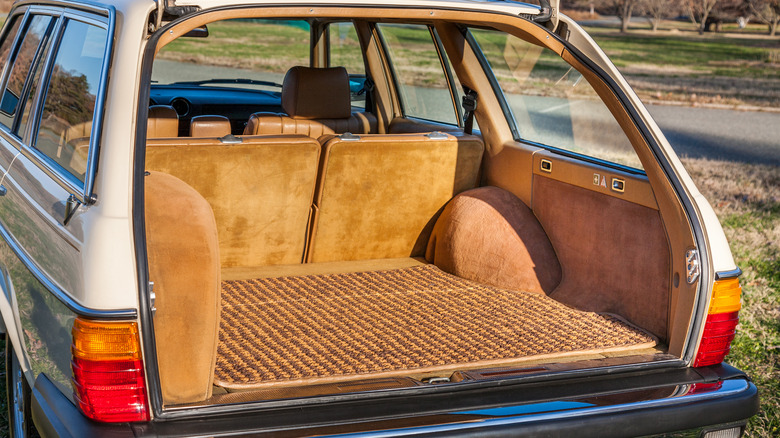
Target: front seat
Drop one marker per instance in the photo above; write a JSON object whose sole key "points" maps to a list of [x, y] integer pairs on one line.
{"points": [[315, 101]]}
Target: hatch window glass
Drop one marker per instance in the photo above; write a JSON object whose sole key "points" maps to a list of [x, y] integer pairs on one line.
{"points": [[25, 56], [66, 120], [551, 102], [420, 75]]}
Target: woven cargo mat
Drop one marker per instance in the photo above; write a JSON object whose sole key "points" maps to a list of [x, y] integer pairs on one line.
{"points": [[320, 328]]}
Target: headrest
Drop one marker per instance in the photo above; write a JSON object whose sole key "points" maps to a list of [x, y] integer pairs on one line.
{"points": [[163, 122], [316, 93], [209, 126]]}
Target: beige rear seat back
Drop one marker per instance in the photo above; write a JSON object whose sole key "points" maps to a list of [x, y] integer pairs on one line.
{"points": [[261, 191], [316, 102], [379, 196]]}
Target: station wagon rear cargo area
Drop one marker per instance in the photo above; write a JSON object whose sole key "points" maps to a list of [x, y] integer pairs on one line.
{"points": [[301, 218]]}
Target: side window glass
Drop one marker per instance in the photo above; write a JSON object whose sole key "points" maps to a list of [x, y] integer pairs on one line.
{"points": [[551, 102], [420, 75], [8, 40], [345, 52], [32, 84], [25, 56], [66, 120]]}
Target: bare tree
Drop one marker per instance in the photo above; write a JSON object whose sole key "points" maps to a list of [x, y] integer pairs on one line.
{"points": [[766, 11], [657, 10], [622, 8], [698, 11]]}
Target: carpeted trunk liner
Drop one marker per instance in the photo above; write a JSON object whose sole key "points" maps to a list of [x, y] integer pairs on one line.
{"points": [[319, 328]]}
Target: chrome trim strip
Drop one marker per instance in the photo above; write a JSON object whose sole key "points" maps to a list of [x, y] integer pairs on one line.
{"points": [[722, 275], [729, 388], [84, 5], [100, 107], [55, 290]]}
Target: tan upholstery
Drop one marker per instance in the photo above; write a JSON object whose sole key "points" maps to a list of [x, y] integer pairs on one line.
{"points": [[261, 191], [378, 197], [316, 102], [163, 122], [270, 123], [614, 254], [488, 235], [183, 256], [209, 126]]}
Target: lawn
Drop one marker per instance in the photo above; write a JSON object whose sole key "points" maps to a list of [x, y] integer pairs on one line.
{"points": [[725, 69], [668, 66]]}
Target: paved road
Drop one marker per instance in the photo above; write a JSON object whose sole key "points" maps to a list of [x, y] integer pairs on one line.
{"points": [[745, 136]]}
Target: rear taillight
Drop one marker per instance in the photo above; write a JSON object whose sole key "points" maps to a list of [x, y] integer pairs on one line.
{"points": [[721, 324], [108, 374]]}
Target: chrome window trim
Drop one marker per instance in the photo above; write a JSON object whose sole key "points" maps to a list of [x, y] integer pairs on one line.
{"points": [[82, 190], [55, 289], [84, 5]]}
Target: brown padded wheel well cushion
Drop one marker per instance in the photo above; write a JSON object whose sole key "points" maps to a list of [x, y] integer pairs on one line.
{"points": [[183, 254], [490, 236]]}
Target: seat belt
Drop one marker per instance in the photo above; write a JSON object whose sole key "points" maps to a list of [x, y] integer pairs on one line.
{"points": [[368, 90], [469, 105]]}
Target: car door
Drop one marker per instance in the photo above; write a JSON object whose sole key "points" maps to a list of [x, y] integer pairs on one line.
{"points": [[50, 100]]}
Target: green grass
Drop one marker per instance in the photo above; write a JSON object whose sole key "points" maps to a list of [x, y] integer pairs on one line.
{"points": [[747, 201], [711, 54]]}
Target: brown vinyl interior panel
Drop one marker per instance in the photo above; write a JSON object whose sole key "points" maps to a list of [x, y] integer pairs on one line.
{"points": [[614, 253]]}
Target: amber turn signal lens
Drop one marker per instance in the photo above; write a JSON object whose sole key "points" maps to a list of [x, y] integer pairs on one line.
{"points": [[725, 296]]}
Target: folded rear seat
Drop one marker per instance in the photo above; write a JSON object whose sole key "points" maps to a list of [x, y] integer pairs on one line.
{"points": [[261, 191], [378, 196], [316, 102]]}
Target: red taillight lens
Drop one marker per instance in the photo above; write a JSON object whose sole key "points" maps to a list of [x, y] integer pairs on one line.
{"points": [[721, 324], [108, 374]]}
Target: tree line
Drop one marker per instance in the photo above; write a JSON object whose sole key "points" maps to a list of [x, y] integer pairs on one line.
{"points": [[707, 15]]}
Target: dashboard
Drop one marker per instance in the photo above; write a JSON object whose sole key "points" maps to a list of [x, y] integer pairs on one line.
{"points": [[237, 104]]}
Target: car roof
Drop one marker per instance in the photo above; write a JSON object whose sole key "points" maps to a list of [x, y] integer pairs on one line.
{"points": [[501, 6]]}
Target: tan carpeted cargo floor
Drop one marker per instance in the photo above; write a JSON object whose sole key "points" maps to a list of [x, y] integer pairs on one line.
{"points": [[324, 328]]}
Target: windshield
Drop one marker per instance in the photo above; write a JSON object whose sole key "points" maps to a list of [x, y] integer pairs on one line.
{"points": [[241, 53]]}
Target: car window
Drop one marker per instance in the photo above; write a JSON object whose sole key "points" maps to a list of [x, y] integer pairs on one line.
{"points": [[33, 82], [66, 119], [552, 104], [25, 55], [345, 52], [419, 73], [8, 40], [254, 49]]}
